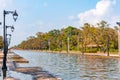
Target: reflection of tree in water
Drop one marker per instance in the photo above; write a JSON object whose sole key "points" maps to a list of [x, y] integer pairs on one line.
{"points": [[98, 67]]}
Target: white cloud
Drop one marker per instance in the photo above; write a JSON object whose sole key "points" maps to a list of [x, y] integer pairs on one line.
{"points": [[100, 12], [113, 20], [5, 3]]}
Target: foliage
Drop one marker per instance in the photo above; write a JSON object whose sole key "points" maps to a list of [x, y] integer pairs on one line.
{"points": [[88, 38]]}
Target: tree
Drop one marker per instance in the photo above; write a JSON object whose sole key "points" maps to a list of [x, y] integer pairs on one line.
{"points": [[102, 36]]}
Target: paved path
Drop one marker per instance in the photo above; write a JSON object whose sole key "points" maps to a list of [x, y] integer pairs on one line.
{"points": [[37, 72]]}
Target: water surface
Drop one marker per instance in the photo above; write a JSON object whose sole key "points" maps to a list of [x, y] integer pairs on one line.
{"points": [[72, 66]]}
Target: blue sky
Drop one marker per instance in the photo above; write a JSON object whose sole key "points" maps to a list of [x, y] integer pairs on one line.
{"points": [[45, 15]]}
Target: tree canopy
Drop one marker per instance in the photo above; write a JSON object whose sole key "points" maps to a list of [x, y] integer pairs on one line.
{"points": [[86, 38]]}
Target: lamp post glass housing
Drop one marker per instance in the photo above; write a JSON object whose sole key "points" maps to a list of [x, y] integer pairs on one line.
{"points": [[6, 40], [12, 28], [15, 15]]}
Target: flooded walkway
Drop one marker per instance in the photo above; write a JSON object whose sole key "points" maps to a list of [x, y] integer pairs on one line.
{"points": [[73, 66], [37, 73]]}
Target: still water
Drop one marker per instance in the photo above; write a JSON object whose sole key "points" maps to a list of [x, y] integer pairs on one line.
{"points": [[74, 67]]}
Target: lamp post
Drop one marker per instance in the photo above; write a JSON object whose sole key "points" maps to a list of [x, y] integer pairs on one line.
{"points": [[68, 43], [82, 46], [6, 43], [49, 43], [118, 23]]}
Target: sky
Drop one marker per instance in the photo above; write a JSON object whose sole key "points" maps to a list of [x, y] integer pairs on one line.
{"points": [[45, 15]]}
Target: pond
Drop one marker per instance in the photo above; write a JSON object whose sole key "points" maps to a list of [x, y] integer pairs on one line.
{"points": [[72, 66]]}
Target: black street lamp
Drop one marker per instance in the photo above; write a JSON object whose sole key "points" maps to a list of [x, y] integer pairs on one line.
{"points": [[68, 42], [6, 43], [12, 28], [118, 23], [49, 43]]}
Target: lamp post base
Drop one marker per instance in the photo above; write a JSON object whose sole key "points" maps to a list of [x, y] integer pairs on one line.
{"points": [[4, 71], [4, 66]]}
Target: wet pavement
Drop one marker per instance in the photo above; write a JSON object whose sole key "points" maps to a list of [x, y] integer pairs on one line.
{"points": [[37, 73]]}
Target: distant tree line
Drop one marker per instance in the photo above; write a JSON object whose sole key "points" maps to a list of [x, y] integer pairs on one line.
{"points": [[88, 38]]}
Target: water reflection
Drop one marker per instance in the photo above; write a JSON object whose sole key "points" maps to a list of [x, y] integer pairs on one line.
{"points": [[74, 67]]}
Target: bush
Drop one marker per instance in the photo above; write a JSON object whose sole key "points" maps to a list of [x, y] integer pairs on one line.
{"points": [[91, 50]]}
